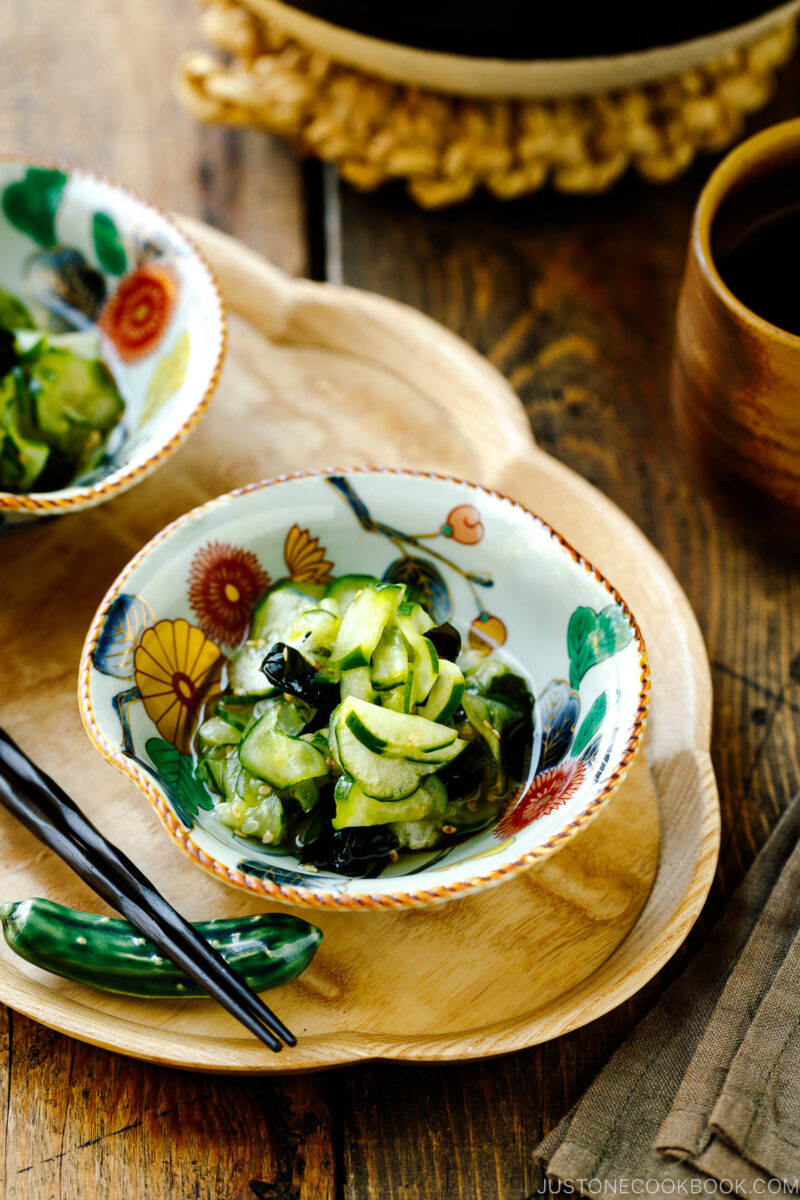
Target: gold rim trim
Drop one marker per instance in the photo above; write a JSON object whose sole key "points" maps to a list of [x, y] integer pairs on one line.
{"points": [[332, 900], [53, 503]]}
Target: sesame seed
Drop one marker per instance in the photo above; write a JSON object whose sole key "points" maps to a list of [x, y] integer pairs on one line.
{"points": [[81, 941]]}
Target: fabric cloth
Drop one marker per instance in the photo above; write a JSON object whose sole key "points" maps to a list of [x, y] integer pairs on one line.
{"points": [[707, 1082]]}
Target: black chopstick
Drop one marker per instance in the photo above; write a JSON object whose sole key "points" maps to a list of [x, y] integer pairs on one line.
{"points": [[52, 816]]}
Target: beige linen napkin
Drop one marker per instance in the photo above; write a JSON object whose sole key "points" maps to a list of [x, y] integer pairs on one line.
{"points": [[740, 1096], [606, 1143]]}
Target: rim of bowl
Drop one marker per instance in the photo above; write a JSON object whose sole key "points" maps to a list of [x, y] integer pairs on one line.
{"points": [[366, 900], [760, 148], [120, 480]]}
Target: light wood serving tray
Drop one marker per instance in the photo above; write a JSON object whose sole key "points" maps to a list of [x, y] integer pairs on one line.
{"points": [[321, 376]]}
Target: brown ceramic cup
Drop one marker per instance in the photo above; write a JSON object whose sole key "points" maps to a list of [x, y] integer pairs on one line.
{"points": [[736, 376]]}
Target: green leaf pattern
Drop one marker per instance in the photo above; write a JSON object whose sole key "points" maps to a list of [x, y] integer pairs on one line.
{"points": [[592, 637], [108, 245], [31, 204], [176, 775], [590, 724]]}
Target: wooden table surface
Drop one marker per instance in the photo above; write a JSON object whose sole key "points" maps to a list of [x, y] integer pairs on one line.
{"points": [[573, 299]]}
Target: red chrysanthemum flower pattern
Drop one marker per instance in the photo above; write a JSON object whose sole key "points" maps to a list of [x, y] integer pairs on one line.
{"points": [[224, 584], [546, 792], [136, 317]]}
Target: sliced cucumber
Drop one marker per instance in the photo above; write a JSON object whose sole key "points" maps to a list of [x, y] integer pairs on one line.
{"points": [[394, 699], [357, 682], [417, 835], [265, 819], [446, 693], [250, 788], [396, 735], [277, 608], [244, 671], [382, 778], [238, 710], [279, 759], [413, 622], [414, 617], [363, 623], [390, 660], [229, 776], [355, 808], [344, 589], [285, 716], [489, 718], [218, 732], [313, 632]]}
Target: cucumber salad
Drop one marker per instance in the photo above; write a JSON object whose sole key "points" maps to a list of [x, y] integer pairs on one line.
{"points": [[352, 727]]}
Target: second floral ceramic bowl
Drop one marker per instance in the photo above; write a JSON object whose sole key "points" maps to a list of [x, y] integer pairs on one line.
{"points": [[80, 252], [502, 575]]}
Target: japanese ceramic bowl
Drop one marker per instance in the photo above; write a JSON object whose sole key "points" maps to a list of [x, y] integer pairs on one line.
{"points": [[503, 576], [82, 253]]}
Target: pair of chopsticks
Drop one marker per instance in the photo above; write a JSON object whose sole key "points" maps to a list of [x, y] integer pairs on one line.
{"points": [[55, 819]]}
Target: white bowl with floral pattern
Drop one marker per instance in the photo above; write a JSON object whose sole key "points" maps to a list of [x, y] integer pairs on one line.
{"points": [[503, 576], [82, 253]]}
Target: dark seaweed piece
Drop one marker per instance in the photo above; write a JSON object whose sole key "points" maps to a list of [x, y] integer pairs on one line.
{"points": [[517, 738], [286, 669], [446, 640], [516, 745], [510, 689], [8, 352], [464, 774], [355, 852]]}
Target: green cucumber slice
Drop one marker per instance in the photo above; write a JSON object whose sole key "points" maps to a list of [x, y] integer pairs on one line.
{"points": [[390, 660], [344, 589], [355, 808], [313, 632], [417, 835], [382, 778], [229, 777], [265, 819], [396, 735], [414, 617], [394, 699], [245, 676], [363, 623], [279, 759], [413, 622], [218, 732], [446, 693], [357, 682], [278, 607]]}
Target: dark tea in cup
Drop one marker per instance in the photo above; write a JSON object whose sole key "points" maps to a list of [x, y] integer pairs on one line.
{"points": [[736, 365]]}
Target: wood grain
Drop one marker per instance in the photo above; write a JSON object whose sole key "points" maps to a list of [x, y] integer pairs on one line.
{"points": [[574, 300], [432, 992]]}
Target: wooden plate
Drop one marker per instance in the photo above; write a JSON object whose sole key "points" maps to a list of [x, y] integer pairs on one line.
{"points": [[316, 376]]}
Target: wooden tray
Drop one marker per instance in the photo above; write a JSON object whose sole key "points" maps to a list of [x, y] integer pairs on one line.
{"points": [[318, 376]]}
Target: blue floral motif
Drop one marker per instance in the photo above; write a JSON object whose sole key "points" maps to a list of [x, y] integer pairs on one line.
{"points": [[424, 584], [278, 875], [125, 621], [558, 708]]}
